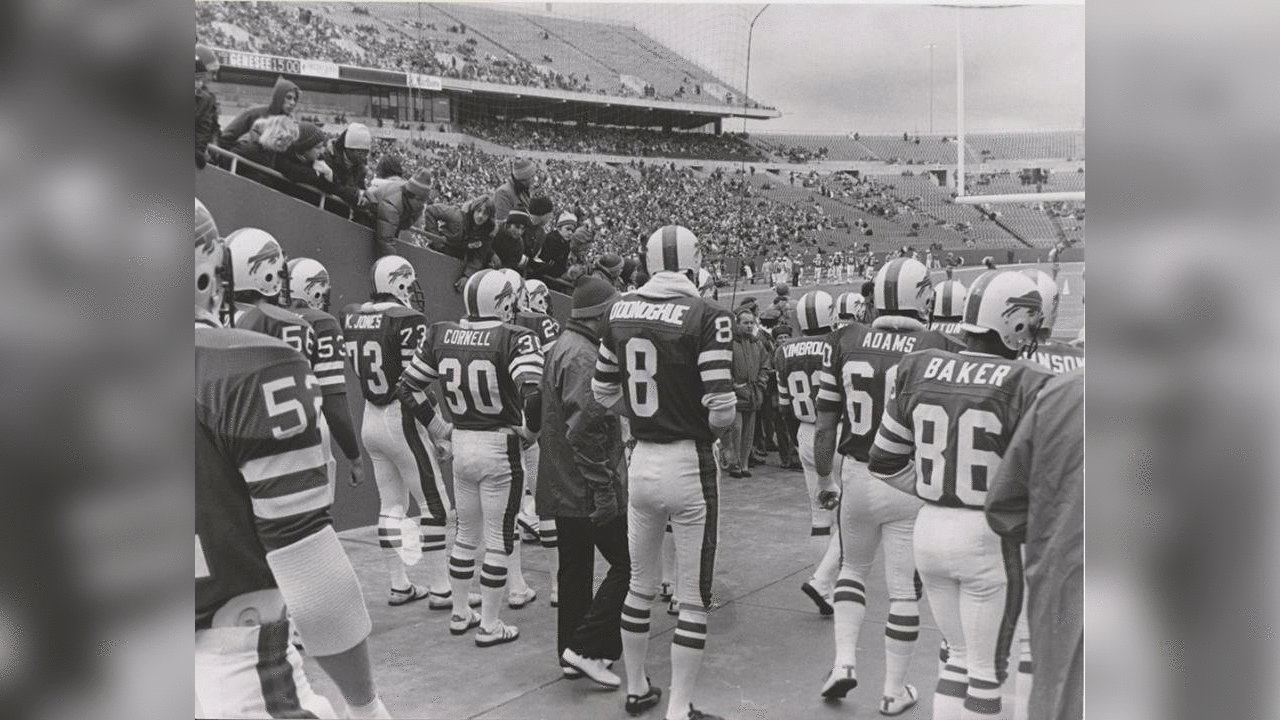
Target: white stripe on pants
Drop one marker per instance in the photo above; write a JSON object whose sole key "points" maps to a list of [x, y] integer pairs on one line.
{"points": [[675, 482], [484, 464], [228, 683], [960, 562], [873, 513]]}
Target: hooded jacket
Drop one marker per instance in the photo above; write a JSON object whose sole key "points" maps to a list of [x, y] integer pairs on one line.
{"points": [[244, 121], [587, 458]]}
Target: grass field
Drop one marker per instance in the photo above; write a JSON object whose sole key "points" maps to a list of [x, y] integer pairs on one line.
{"points": [[1070, 283]]}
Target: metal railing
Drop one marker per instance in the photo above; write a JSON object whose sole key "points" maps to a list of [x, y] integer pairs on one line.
{"points": [[264, 175]]}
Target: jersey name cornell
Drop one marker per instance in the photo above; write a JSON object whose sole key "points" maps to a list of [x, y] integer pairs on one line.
{"points": [[480, 370], [655, 347]]}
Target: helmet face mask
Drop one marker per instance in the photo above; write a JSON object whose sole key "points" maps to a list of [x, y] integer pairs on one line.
{"points": [[212, 271], [257, 262], [393, 275], [536, 296], [490, 295], [1050, 296], [1008, 304]]}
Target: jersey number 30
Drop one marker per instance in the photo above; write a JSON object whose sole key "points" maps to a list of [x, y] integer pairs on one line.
{"points": [[480, 383]]}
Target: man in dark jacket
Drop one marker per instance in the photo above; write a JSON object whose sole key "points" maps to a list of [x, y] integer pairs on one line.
{"points": [[348, 156], [582, 482], [284, 98], [750, 377], [398, 204], [207, 130], [516, 192]]}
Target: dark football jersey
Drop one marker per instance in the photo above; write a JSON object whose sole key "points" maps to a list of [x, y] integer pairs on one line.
{"points": [[860, 363], [798, 362], [330, 352], [668, 356], [1057, 356], [949, 327], [481, 366], [953, 414], [544, 326], [380, 341], [260, 471], [281, 324]]}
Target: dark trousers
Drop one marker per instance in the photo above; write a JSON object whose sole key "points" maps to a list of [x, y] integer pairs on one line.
{"points": [[590, 625]]}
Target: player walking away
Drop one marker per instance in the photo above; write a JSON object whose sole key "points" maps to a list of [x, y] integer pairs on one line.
{"points": [[402, 435], [861, 362], [799, 362], [489, 372], [309, 298], [949, 307], [533, 303], [264, 539], [943, 434], [664, 363], [1056, 355]]}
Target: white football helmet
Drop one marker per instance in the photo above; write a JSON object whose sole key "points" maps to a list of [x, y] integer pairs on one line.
{"points": [[257, 262], [949, 299], [1049, 296], [902, 287], [537, 298], [489, 295], [813, 312], [1007, 303], [851, 306], [309, 282], [210, 270], [395, 276], [672, 248]]}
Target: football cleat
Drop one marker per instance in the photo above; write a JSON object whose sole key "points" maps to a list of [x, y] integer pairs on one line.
{"points": [[489, 295], [898, 704], [949, 297], [903, 287], [1007, 303], [672, 248], [257, 262], [496, 635], [394, 276], [537, 298], [814, 311], [841, 680], [309, 282], [1050, 295]]}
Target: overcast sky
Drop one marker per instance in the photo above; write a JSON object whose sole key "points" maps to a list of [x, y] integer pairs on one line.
{"points": [[835, 68]]}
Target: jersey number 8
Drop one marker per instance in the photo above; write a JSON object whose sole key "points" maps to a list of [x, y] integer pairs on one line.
{"points": [[800, 385], [641, 357]]}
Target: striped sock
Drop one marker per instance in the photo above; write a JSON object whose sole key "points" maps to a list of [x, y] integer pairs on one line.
{"points": [[686, 657], [948, 698], [493, 587], [547, 533], [431, 531], [462, 568], [635, 639], [850, 603], [900, 634], [982, 701], [389, 541]]}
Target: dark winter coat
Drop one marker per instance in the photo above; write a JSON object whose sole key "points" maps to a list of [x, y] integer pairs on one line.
{"points": [[244, 121], [207, 130]]}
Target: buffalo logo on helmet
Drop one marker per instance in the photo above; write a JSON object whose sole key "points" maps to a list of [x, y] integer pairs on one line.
{"points": [[270, 252], [1030, 302], [404, 272], [320, 279]]}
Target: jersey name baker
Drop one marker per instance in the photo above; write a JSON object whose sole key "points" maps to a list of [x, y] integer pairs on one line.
{"points": [[970, 373], [640, 310], [474, 338]]}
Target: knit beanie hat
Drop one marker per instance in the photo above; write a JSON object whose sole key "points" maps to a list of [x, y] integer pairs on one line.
{"points": [[540, 205], [309, 136], [567, 217], [591, 298], [611, 263], [420, 183], [358, 137], [523, 169]]}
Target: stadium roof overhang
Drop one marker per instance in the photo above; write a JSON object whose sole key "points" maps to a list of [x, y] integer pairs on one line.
{"points": [[486, 98]]}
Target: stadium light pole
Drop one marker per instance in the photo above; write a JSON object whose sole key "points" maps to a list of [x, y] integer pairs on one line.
{"points": [[931, 46], [746, 89]]}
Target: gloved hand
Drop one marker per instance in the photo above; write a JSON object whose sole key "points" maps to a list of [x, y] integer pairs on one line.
{"points": [[357, 473], [828, 493], [527, 437], [441, 434], [606, 509]]}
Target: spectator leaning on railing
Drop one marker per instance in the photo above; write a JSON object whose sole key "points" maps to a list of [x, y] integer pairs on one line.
{"points": [[389, 170], [284, 98], [267, 140], [301, 163], [348, 156], [398, 205], [515, 193]]}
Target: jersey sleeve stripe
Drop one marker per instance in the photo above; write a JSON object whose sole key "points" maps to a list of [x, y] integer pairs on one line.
{"points": [[327, 367], [298, 503], [607, 355], [826, 379], [902, 431], [327, 380], [825, 393], [420, 371], [285, 463], [287, 530], [894, 448], [711, 356], [713, 375]]}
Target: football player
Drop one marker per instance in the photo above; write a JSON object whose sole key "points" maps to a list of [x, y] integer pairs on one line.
{"points": [[949, 306], [798, 362], [943, 434], [533, 305], [401, 434], [850, 307], [489, 371], [1056, 355], [859, 365], [664, 363], [309, 298], [264, 538]]}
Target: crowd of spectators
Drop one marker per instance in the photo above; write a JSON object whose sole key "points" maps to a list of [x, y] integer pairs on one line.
{"points": [[631, 142]]}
